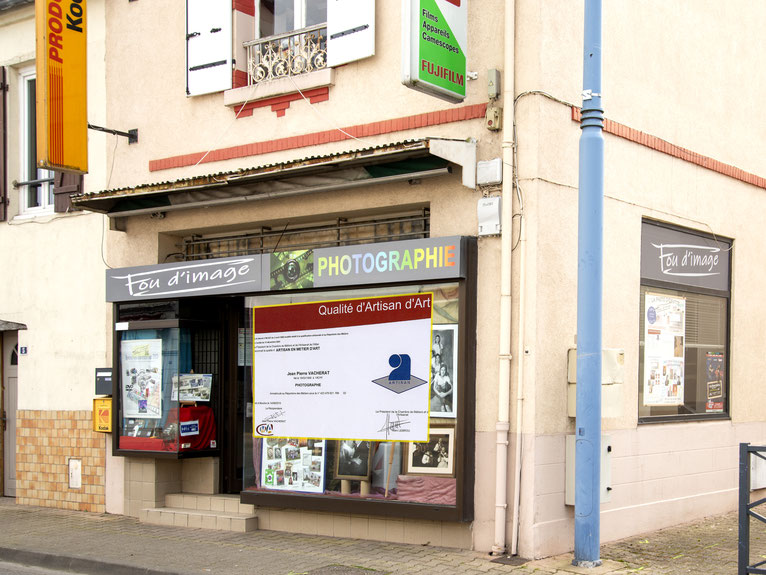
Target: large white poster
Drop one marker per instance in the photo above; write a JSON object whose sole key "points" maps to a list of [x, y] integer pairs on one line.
{"points": [[343, 369], [141, 361], [664, 332]]}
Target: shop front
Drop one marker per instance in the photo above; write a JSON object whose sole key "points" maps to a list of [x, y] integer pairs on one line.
{"points": [[334, 379]]}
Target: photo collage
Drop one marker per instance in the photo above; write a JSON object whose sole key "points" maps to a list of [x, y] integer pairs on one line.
{"points": [[291, 464]]}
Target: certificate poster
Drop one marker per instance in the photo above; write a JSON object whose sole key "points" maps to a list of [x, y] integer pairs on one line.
{"points": [[291, 464], [664, 332], [141, 361], [355, 368]]}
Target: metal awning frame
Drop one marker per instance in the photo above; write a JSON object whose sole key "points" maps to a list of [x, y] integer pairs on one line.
{"points": [[460, 152]]}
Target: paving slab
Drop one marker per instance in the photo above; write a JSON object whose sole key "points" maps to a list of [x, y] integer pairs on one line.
{"points": [[116, 544]]}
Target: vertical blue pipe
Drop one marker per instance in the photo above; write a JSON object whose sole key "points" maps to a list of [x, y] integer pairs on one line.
{"points": [[590, 250]]}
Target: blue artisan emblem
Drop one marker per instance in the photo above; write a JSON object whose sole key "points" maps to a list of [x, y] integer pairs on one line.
{"points": [[400, 379]]}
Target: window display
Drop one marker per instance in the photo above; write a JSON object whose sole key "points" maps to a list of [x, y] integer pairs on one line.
{"points": [[684, 324], [325, 365], [164, 406]]}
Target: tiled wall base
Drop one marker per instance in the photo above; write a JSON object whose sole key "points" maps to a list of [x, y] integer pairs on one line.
{"points": [[45, 442], [148, 481], [438, 533]]}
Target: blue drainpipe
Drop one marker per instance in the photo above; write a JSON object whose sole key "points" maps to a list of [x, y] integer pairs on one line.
{"points": [[590, 251]]}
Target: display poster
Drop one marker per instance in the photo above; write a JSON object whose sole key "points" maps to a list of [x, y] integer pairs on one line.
{"points": [[141, 361], [343, 369], [192, 387], [714, 376], [291, 464], [664, 332]]}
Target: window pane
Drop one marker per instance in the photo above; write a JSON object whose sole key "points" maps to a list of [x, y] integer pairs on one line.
{"points": [[316, 12], [280, 16], [699, 382]]}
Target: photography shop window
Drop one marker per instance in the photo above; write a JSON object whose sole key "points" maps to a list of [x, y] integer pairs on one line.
{"points": [[381, 372], [684, 325]]}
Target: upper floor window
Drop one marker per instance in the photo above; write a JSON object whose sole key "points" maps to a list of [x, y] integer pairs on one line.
{"points": [[280, 16], [37, 195], [271, 39]]}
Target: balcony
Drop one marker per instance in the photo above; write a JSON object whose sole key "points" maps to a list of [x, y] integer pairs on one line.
{"points": [[286, 55]]}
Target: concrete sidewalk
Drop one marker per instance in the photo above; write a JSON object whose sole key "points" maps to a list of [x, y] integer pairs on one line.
{"points": [[115, 544]]}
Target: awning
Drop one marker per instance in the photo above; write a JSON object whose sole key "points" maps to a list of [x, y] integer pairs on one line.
{"points": [[11, 326], [402, 161]]}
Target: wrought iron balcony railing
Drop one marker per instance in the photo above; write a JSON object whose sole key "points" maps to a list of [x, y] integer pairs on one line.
{"points": [[291, 54]]}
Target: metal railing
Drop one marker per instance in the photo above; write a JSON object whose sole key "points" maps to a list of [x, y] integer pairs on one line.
{"points": [[747, 509], [290, 54]]}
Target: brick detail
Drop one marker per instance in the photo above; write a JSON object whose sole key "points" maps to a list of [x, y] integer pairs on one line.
{"points": [[665, 147], [45, 441], [281, 103], [317, 138], [245, 6], [238, 78]]}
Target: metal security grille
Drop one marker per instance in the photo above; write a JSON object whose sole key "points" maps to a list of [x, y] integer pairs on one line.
{"points": [[339, 232], [206, 343]]}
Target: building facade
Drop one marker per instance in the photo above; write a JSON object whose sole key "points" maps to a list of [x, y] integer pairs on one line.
{"points": [[52, 321], [288, 198]]}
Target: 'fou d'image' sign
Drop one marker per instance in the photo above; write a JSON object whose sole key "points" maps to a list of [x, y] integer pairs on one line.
{"points": [[675, 256]]}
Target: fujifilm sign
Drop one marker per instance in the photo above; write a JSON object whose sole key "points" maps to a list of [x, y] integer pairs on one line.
{"points": [[434, 37]]}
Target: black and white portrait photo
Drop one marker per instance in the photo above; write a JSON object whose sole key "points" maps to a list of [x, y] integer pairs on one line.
{"points": [[353, 459], [444, 371], [434, 457]]}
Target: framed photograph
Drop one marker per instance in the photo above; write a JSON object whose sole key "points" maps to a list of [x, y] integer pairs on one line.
{"points": [[444, 383], [353, 458], [434, 457]]}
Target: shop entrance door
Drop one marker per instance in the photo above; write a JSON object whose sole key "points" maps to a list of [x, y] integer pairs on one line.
{"points": [[10, 363]]}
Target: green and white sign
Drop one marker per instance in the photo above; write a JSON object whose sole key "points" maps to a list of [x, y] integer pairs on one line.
{"points": [[434, 38]]}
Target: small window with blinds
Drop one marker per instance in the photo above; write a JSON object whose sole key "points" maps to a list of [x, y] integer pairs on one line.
{"points": [[684, 324]]}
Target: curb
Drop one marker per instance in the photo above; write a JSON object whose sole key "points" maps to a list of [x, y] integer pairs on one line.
{"points": [[74, 564]]}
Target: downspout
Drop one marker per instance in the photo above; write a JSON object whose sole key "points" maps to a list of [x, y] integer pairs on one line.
{"points": [[502, 426], [520, 338]]}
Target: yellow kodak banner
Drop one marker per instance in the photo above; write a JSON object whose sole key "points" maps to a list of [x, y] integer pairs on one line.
{"points": [[62, 111], [102, 414]]}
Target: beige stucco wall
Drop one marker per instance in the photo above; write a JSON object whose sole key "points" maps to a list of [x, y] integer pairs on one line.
{"points": [[53, 273], [664, 74]]}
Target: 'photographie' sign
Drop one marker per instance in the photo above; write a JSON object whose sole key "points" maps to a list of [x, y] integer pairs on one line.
{"points": [[671, 255], [386, 262], [356, 368]]}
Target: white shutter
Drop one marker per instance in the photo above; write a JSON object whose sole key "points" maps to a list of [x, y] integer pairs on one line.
{"points": [[208, 46], [350, 30]]}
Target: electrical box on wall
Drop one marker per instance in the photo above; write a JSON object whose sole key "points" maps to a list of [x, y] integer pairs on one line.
{"points": [[493, 119], [612, 378], [606, 469], [489, 172], [488, 212]]}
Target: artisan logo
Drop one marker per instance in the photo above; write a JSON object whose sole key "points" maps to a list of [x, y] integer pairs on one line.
{"points": [[400, 379]]}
